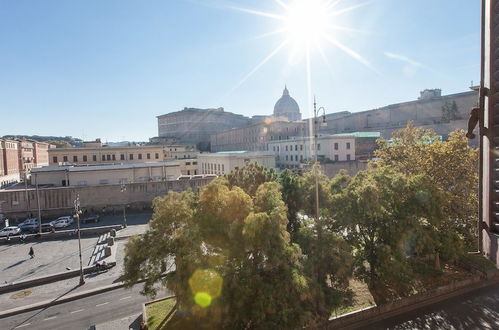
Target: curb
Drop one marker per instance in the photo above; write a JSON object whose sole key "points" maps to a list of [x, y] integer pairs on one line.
{"points": [[48, 303]]}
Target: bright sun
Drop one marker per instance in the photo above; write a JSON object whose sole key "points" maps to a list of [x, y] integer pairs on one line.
{"points": [[306, 21]]}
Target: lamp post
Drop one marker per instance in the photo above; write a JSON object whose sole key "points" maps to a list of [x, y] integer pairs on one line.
{"points": [[316, 144], [123, 189], [77, 215]]}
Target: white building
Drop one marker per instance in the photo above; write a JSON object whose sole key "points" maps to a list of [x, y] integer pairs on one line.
{"points": [[226, 161], [94, 175], [296, 151]]}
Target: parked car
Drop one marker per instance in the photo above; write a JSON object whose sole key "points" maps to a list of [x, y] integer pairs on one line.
{"points": [[9, 231], [29, 221], [29, 227], [68, 218], [60, 223], [47, 227], [91, 218]]}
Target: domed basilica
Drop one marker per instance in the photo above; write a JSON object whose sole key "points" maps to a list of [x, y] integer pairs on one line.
{"points": [[287, 107]]}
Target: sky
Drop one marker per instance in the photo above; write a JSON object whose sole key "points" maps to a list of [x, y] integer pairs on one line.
{"points": [[106, 68]]}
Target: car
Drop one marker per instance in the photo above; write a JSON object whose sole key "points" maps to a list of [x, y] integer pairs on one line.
{"points": [[29, 227], [91, 218], [60, 223], [9, 231], [47, 227], [68, 218], [29, 221]]}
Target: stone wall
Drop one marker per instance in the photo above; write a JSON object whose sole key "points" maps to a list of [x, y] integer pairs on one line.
{"points": [[60, 201]]}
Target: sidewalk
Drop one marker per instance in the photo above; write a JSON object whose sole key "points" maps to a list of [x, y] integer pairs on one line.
{"points": [[62, 288]]}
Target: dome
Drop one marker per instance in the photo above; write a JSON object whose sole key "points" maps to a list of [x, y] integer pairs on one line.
{"points": [[287, 107]]}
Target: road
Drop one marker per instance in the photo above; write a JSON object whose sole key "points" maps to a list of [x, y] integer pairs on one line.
{"points": [[81, 313], [475, 310]]}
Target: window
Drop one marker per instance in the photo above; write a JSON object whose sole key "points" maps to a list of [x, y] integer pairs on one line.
{"points": [[75, 159], [336, 146], [301, 147], [301, 157], [286, 148], [336, 158], [188, 172], [348, 145], [296, 147], [156, 156], [286, 157], [122, 157], [94, 158], [348, 157], [114, 157], [219, 167], [65, 158], [104, 181], [85, 158], [273, 148], [318, 146], [194, 163], [131, 156], [108, 157], [54, 159], [148, 156], [223, 168], [187, 163], [277, 148], [140, 156], [103, 157]]}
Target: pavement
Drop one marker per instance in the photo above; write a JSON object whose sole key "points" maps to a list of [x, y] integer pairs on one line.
{"points": [[105, 310], [50, 257], [475, 310], [59, 289]]}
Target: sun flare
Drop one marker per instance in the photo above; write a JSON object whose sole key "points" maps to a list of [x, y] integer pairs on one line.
{"points": [[307, 21]]}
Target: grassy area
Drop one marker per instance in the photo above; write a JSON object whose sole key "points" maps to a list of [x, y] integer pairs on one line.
{"points": [[157, 312], [477, 262], [362, 298]]}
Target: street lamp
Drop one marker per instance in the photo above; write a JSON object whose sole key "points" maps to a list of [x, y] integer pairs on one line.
{"points": [[316, 144], [77, 215], [123, 189]]}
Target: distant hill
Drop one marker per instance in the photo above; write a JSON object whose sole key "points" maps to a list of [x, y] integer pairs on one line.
{"points": [[59, 141]]}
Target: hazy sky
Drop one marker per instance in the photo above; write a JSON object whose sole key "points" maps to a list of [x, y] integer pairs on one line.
{"points": [[107, 68]]}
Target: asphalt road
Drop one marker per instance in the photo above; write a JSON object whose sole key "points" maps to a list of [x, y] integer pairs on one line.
{"points": [[81, 313], [475, 310]]}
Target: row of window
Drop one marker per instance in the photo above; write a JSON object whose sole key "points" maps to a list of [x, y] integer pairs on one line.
{"points": [[209, 168], [65, 159], [295, 158], [296, 146]]}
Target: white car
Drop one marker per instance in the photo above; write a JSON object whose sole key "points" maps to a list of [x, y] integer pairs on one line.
{"points": [[8, 231], [68, 218], [60, 223]]}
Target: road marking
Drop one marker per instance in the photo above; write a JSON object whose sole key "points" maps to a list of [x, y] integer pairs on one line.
{"points": [[80, 310], [126, 298], [102, 304], [50, 318], [23, 325]]}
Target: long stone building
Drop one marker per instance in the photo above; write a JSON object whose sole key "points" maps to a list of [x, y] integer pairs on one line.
{"points": [[426, 112], [195, 126]]}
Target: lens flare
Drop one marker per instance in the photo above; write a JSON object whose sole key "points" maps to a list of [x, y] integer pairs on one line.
{"points": [[206, 285]]}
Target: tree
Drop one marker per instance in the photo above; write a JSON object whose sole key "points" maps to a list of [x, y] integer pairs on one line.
{"points": [[60, 143], [250, 177], [451, 165], [450, 111], [379, 211], [235, 266], [292, 196]]}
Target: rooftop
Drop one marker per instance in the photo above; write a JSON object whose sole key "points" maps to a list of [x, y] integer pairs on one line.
{"points": [[102, 167]]}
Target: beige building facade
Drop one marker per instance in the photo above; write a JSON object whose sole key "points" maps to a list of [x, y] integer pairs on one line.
{"points": [[94, 175], [256, 137], [225, 162], [129, 154], [295, 152]]}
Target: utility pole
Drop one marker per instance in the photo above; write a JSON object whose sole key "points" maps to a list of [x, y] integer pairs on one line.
{"points": [[77, 215], [28, 211], [38, 206], [123, 189]]}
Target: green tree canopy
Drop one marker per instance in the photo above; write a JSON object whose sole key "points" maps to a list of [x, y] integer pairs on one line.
{"points": [[379, 213], [451, 165]]}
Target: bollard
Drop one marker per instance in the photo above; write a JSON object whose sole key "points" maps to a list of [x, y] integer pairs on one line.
{"points": [[107, 251], [110, 241]]}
